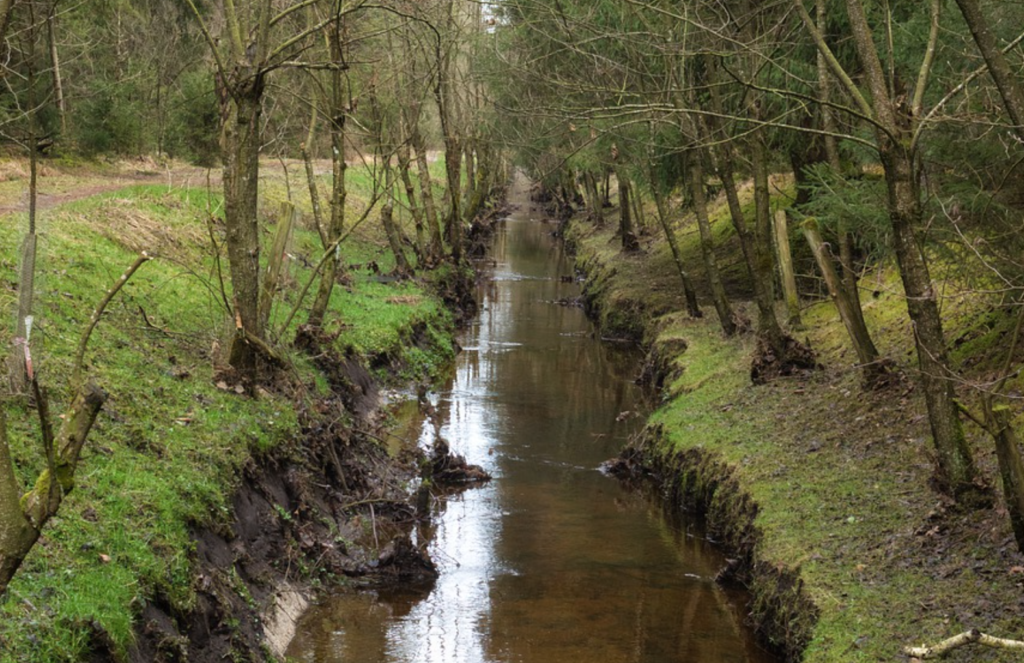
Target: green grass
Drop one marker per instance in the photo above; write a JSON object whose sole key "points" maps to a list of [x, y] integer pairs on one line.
{"points": [[168, 446]]}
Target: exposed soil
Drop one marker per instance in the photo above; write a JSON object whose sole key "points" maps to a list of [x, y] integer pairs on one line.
{"points": [[332, 509], [768, 364]]}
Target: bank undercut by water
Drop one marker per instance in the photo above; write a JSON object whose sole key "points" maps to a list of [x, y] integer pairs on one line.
{"points": [[818, 490]]}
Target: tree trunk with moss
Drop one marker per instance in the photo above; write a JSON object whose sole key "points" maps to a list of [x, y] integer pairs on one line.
{"points": [[956, 469], [626, 232], [404, 163], [1011, 466], [241, 190], [768, 327], [785, 258], [22, 517], [595, 208]]}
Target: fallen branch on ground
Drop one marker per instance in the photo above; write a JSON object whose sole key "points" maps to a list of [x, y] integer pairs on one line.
{"points": [[967, 637]]}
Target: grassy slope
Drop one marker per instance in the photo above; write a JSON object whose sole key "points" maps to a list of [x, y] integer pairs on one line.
{"points": [[169, 444], [840, 476]]}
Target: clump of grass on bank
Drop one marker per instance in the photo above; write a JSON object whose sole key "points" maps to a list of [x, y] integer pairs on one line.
{"points": [[840, 477], [168, 446]]}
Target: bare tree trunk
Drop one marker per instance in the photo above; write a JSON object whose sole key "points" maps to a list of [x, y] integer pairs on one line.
{"points": [[1011, 467], [594, 199], [692, 307], [391, 230], [453, 142], [427, 195], [285, 221], [629, 241], [695, 173], [482, 187], [828, 125], [956, 469], [314, 190], [724, 166], [640, 221], [26, 282], [453, 219], [470, 159], [723, 160], [410, 196], [58, 86], [339, 192], [453, 170], [6, 9]]}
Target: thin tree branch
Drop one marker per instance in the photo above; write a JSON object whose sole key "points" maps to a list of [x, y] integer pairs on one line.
{"points": [[83, 342], [929, 58]]}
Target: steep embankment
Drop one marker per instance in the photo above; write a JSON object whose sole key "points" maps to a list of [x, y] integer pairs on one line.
{"points": [[819, 489], [201, 515]]}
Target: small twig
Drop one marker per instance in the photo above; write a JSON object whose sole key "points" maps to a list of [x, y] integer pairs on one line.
{"points": [[216, 263]]}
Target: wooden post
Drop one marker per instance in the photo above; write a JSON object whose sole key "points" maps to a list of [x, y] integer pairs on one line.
{"points": [[786, 267], [281, 234], [850, 314]]}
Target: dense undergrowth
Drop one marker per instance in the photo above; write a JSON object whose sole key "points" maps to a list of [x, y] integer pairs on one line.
{"points": [[169, 446], [822, 488]]}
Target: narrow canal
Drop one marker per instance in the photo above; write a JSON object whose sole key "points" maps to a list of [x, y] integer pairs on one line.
{"points": [[551, 561]]}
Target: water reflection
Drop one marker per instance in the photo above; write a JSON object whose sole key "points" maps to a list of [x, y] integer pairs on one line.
{"points": [[551, 561]]}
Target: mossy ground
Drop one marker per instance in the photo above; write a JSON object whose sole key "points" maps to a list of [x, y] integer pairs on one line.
{"points": [[840, 476], [168, 448]]}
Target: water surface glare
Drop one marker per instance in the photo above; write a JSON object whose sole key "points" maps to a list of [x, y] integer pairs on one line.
{"points": [[551, 561]]}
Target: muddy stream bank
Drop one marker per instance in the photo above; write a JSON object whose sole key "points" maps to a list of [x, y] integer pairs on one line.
{"points": [[552, 560]]}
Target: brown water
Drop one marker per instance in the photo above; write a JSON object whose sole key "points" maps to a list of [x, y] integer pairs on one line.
{"points": [[552, 561]]}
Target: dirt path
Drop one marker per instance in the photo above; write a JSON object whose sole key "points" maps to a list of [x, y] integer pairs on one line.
{"points": [[57, 187]]}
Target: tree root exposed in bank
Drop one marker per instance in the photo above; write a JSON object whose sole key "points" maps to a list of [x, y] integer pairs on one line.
{"points": [[767, 365]]}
